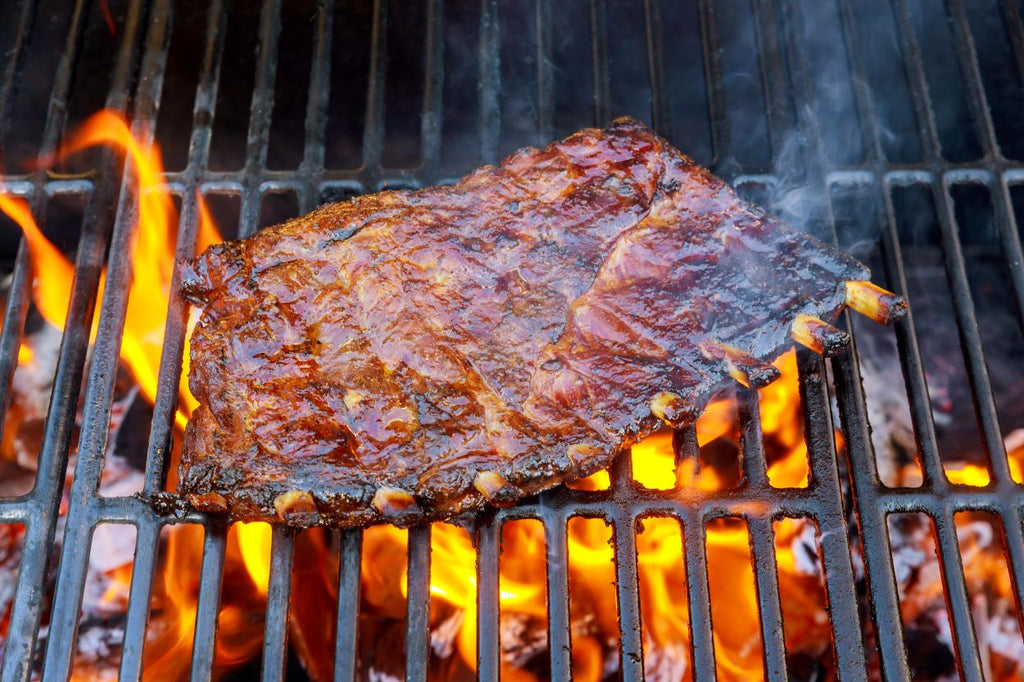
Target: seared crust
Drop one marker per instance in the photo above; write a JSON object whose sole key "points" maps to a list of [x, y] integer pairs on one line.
{"points": [[407, 355]]}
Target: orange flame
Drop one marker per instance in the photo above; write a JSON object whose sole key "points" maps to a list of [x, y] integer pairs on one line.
{"points": [[25, 354], [254, 545], [52, 272], [152, 254]]}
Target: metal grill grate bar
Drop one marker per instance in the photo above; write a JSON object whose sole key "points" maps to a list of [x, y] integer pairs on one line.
{"points": [[208, 605], [631, 660], [713, 77], [490, 81], [18, 293], [762, 536], [259, 118], [312, 167], [146, 542], [275, 630], [660, 117], [698, 593], [373, 129], [766, 572], [347, 630], [433, 106], [488, 644], [957, 600], [599, 46], [832, 528], [559, 642], [871, 519], [71, 574], [631, 650], [417, 633], [545, 75]]}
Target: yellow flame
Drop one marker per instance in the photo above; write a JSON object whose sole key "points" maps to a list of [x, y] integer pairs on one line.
{"points": [[970, 474], [254, 541], [25, 354], [153, 259], [52, 272]]}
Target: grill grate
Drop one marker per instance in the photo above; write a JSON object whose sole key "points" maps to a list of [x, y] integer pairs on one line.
{"points": [[788, 89]]}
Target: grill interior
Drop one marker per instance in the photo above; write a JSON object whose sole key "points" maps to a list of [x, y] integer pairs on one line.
{"points": [[890, 128]]}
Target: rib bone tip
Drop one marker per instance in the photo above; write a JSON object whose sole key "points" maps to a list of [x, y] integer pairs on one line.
{"points": [[296, 507], [741, 365], [393, 501], [874, 302], [671, 409], [818, 335], [580, 452], [495, 488]]}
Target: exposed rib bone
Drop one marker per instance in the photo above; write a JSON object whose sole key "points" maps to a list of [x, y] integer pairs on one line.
{"points": [[818, 335], [495, 488], [296, 507], [393, 501], [671, 409], [875, 302], [742, 366]]}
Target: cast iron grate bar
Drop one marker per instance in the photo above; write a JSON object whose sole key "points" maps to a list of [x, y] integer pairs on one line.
{"points": [[347, 630], [433, 103], [208, 606], [660, 118], [762, 535], [599, 47], [373, 126], [490, 81], [488, 646], [259, 117], [417, 614], [71, 573], [557, 565], [624, 525], [713, 77], [275, 632], [312, 167]]}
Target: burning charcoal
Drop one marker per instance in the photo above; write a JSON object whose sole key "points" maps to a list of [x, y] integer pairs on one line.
{"points": [[442, 636], [666, 663], [524, 641], [30, 397], [930, 658], [381, 641]]}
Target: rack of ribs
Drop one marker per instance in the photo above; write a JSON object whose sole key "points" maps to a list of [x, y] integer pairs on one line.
{"points": [[411, 355]]}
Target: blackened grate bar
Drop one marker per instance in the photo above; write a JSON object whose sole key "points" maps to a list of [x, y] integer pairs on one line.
{"points": [[785, 71]]}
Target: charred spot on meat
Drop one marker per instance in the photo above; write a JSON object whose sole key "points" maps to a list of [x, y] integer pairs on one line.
{"points": [[410, 355]]}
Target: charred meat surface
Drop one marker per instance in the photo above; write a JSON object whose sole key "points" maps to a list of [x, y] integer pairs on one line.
{"points": [[409, 355]]}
